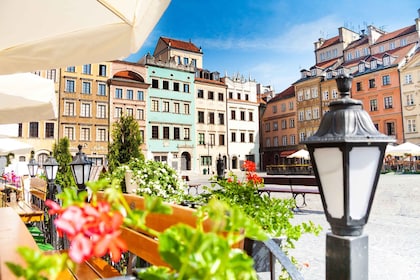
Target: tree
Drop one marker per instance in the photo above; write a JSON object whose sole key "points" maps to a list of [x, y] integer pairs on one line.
{"points": [[61, 153], [125, 144]]}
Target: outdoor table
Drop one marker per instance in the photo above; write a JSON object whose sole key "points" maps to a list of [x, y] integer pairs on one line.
{"points": [[13, 234]]}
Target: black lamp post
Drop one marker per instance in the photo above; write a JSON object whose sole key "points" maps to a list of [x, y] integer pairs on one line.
{"points": [[80, 168], [220, 168], [32, 165], [51, 168], [347, 153]]}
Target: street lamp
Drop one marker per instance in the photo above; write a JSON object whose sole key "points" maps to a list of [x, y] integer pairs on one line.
{"points": [[51, 168], [208, 156], [80, 168], [347, 153], [32, 165]]}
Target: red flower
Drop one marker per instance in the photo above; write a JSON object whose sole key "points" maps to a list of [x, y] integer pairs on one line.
{"points": [[249, 166], [92, 230]]}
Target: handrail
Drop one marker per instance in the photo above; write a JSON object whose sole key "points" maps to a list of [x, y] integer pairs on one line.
{"points": [[278, 254]]}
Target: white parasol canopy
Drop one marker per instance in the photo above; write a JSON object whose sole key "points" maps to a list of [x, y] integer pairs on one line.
{"points": [[300, 154], [10, 145], [26, 97], [38, 35], [406, 148]]}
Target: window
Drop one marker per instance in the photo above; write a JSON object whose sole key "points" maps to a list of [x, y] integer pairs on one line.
{"points": [[155, 83], [155, 105], [403, 42], [176, 133], [411, 125], [283, 107], [267, 127], [69, 132], [118, 93], [87, 69], [212, 139], [275, 126], [315, 113], [302, 136], [176, 108], [200, 93], [200, 117], [52, 74], [86, 87], [361, 67], [186, 88], [230, 95], [210, 95], [381, 48], [300, 96], [33, 129], [205, 160], [166, 132], [70, 86], [165, 84], [357, 54], [242, 115], [334, 94], [301, 116], [308, 114], [392, 45], [102, 70], [250, 117], [69, 109], [291, 123], [274, 109], [176, 86], [194, 62], [130, 94], [386, 80], [220, 96], [373, 105], [101, 111], [284, 140], [102, 89], [326, 95], [71, 69], [211, 118], [101, 135], [267, 142], [221, 139], [221, 118], [233, 136], [238, 95], [242, 137], [185, 60], [373, 64], [140, 95], [246, 97], [85, 110], [233, 114], [49, 130], [292, 140], [408, 79], [388, 102], [155, 132], [251, 138], [118, 112], [307, 94], [349, 56], [390, 128], [283, 125], [130, 112], [140, 114], [186, 133], [410, 99], [85, 134], [371, 83], [366, 51], [201, 140], [165, 106], [187, 109], [387, 60], [359, 86], [314, 92]]}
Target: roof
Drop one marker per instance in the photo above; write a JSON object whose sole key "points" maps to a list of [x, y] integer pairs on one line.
{"points": [[287, 93], [181, 45], [362, 41], [397, 33], [330, 42]]}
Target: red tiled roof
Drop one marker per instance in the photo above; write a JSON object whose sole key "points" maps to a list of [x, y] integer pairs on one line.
{"points": [[361, 41], [330, 42], [287, 93], [397, 33], [326, 64], [182, 45]]}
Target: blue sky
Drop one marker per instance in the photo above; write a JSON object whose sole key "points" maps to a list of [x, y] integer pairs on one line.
{"points": [[270, 40]]}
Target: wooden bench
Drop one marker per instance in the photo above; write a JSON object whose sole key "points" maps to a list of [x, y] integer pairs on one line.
{"points": [[186, 178], [139, 243], [32, 211], [296, 185]]}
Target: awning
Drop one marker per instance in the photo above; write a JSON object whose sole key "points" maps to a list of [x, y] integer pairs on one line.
{"points": [[287, 153]]}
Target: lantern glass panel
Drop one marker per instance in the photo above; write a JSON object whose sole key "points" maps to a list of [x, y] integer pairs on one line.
{"points": [[363, 167], [329, 163], [78, 173], [87, 168]]}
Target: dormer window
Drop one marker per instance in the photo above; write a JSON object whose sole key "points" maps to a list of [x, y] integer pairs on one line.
{"points": [[387, 60], [373, 64], [329, 75], [313, 72], [361, 67], [341, 71]]}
